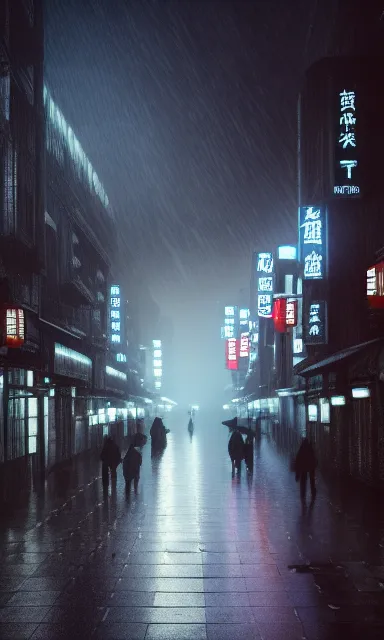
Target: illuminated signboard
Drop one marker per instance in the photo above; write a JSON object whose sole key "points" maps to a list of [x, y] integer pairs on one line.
{"points": [[115, 314], [313, 242], [375, 286], [244, 345], [284, 314], [287, 252], [346, 153], [14, 328], [264, 284], [229, 329], [121, 357], [232, 349], [315, 325], [244, 317], [157, 363]]}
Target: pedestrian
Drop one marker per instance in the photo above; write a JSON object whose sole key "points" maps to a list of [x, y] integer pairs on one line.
{"points": [[110, 459], [248, 452], [158, 434], [131, 467], [236, 450], [305, 464]]}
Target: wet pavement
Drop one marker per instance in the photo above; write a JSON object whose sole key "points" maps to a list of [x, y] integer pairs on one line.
{"points": [[196, 555]]}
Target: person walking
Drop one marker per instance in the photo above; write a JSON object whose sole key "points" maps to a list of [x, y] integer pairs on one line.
{"points": [[305, 464], [131, 467], [236, 450], [110, 459]]}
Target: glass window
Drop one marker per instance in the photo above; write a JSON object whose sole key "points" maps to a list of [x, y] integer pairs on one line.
{"points": [[29, 378], [325, 414], [32, 444], [32, 426], [312, 412], [32, 407]]}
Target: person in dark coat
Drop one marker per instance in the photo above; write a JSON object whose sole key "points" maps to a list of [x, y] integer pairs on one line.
{"points": [[236, 450], [131, 467], [110, 459], [158, 434], [248, 453], [305, 464]]}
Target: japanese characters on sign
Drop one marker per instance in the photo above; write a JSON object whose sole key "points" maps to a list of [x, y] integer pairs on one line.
{"points": [[232, 349], [157, 363], [244, 317], [291, 313], [346, 156], [229, 330], [244, 345], [14, 327], [313, 242], [265, 284], [316, 323], [115, 314]]}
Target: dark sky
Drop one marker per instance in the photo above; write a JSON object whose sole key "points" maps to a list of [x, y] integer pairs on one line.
{"points": [[187, 110]]}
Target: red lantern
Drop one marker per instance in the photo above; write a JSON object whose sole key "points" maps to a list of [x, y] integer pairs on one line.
{"points": [[14, 329]]}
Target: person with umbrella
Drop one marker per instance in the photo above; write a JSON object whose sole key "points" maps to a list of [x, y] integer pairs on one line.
{"points": [[236, 450]]}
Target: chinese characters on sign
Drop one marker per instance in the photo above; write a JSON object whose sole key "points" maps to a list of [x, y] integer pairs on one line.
{"points": [[315, 326], [115, 314], [346, 157], [228, 331], [291, 313], [157, 363], [244, 345], [313, 238], [243, 316], [14, 328], [232, 354], [265, 284]]}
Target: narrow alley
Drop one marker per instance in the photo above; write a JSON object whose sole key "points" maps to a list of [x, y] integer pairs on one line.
{"points": [[196, 554]]}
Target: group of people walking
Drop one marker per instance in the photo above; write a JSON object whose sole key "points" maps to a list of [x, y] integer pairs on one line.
{"points": [[304, 464], [111, 455]]}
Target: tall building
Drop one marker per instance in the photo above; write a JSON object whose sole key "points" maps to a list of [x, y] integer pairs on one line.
{"points": [[21, 230]]}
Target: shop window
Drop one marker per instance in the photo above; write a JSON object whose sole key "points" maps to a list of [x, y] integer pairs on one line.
{"points": [[312, 412], [32, 425], [325, 413]]}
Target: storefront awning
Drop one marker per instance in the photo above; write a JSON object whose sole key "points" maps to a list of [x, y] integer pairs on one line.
{"points": [[366, 352]]}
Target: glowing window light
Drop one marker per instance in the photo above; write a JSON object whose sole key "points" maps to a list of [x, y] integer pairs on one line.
{"points": [[157, 353], [338, 401], [110, 371], [65, 352], [361, 392], [157, 373], [312, 412]]}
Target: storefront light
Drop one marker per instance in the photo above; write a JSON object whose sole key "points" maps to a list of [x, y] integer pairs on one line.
{"points": [[361, 392], [338, 401]]}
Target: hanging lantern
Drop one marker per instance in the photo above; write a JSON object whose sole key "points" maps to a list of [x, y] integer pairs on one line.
{"points": [[14, 329]]}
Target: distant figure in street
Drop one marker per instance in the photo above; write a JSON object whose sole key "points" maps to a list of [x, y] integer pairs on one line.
{"points": [[110, 459], [248, 453], [158, 434], [190, 425], [131, 467], [236, 450], [305, 464]]}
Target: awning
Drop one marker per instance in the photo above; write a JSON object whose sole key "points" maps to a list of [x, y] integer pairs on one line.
{"points": [[367, 351]]}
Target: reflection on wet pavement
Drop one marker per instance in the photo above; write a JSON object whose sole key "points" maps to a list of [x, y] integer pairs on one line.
{"points": [[196, 554]]}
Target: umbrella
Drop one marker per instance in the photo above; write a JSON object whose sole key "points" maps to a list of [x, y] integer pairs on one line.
{"points": [[232, 424]]}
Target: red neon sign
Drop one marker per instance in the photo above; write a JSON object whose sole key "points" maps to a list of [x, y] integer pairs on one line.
{"points": [[284, 314], [14, 327], [375, 286], [232, 354]]}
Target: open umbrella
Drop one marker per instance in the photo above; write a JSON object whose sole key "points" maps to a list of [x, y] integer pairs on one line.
{"points": [[232, 424]]}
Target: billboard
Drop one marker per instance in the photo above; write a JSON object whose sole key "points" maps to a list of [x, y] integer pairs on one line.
{"points": [[313, 242], [264, 284], [347, 170], [232, 354]]}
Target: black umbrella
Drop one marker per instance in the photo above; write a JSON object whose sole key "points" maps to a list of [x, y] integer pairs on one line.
{"points": [[232, 424]]}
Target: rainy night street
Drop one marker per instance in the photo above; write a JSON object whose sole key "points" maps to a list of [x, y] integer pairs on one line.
{"points": [[196, 554]]}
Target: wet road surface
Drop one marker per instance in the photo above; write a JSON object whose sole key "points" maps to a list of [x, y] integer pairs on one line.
{"points": [[196, 554]]}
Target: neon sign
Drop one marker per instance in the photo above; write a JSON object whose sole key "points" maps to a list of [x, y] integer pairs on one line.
{"points": [[265, 284], [115, 314], [312, 241], [346, 149]]}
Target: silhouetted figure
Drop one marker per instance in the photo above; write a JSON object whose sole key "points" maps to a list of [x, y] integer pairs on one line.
{"points": [[158, 434], [131, 467], [236, 450], [190, 425], [248, 453], [305, 464], [110, 459]]}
